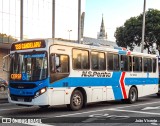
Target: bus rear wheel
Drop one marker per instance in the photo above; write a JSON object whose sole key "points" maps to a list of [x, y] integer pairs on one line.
{"points": [[133, 95], [76, 101], [43, 106]]}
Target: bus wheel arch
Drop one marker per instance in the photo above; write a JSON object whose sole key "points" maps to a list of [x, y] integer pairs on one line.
{"points": [[78, 93], [133, 94]]}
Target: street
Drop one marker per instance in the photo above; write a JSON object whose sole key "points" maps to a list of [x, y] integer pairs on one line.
{"points": [[146, 111]]}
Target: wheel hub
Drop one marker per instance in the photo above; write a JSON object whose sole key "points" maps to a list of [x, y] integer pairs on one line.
{"points": [[77, 100]]}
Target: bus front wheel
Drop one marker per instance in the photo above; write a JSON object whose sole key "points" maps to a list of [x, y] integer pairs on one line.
{"points": [[76, 101], [133, 95]]}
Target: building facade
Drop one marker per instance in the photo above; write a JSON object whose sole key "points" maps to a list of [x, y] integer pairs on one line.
{"points": [[4, 50]]}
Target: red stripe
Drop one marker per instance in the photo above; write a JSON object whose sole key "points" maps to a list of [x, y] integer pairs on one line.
{"points": [[122, 85]]}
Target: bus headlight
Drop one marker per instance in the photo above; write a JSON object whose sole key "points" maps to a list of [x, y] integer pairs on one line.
{"points": [[41, 91]]}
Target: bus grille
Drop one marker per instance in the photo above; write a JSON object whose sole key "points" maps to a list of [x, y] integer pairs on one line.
{"points": [[21, 98], [22, 86]]}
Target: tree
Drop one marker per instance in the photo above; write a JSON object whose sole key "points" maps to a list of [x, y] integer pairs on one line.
{"points": [[6, 38], [130, 34]]}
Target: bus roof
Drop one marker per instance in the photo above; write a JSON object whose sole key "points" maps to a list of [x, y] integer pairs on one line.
{"points": [[72, 43]]}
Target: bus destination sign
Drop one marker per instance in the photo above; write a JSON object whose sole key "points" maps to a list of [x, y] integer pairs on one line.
{"points": [[27, 45]]}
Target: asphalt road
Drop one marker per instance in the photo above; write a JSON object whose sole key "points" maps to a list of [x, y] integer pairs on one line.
{"points": [[145, 112]]}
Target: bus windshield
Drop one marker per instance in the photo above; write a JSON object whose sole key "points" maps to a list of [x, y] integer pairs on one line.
{"points": [[28, 66]]}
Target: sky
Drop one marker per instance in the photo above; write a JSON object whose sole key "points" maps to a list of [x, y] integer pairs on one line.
{"points": [[115, 13], [38, 12]]}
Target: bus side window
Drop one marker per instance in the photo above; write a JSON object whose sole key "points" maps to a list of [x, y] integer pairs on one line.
{"points": [[110, 61], [130, 63], [124, 63], [137, 64], [80, 59], [59, 67], [52, 62], [64, 64], [113, 62], [154, 64], [98, 60], [147, 65], [116, 62], [59, 63]]}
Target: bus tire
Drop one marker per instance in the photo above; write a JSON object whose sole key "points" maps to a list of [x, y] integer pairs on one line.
{"points": [[158, 94], [76, 101], [133, 95], [43, 106]]}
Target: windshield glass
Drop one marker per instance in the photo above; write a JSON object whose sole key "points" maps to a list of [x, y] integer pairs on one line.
{"points": [[29, 66]]}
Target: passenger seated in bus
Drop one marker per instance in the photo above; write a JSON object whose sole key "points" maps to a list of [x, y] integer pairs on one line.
{"points": [[58, 68]]}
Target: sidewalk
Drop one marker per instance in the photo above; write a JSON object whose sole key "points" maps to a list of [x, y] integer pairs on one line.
{"points": [[3, 97]]}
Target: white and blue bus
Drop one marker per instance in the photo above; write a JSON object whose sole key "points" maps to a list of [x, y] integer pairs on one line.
{"points": [[48, 72]]}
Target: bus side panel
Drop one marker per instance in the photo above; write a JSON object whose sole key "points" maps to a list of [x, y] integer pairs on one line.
{"points": [[57, 96], [109, 93], [150, 89], [151, 84]]}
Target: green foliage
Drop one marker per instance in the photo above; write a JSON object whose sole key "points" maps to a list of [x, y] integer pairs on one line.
{"points": [[130, 34], [6, 38]]}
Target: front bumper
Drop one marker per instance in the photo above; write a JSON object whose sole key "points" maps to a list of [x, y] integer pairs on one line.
{"points": [[31, 100]]}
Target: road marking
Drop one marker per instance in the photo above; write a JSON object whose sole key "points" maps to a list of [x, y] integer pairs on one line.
{"points": [[151, 108], [137, 105], [140, 112], [106, 109], [81, 113], [89, 111]]}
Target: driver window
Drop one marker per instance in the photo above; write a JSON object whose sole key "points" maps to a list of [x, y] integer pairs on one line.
{"points": [[59, 63], [59, 67]]}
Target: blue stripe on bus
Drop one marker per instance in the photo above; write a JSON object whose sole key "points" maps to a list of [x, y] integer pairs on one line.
{"points": [[83, 82], [113, 81], [140, 81], [87, 82]]}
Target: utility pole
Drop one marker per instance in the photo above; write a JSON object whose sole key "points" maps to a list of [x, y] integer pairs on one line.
{"points": [[143, 26], [53, 18], [21, 19], [79, 21]]}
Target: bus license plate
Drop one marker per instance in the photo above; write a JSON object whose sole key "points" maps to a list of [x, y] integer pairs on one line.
{"points": [[21, 99]]}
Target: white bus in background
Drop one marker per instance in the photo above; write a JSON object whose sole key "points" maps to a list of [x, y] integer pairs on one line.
{"points": [[48, 72]]}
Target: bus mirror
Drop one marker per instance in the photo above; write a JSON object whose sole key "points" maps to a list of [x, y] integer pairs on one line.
{"points": [[6, 61]]}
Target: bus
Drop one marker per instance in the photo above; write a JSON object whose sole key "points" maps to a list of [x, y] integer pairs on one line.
{"points": [[49, 72], [158, 94]]}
